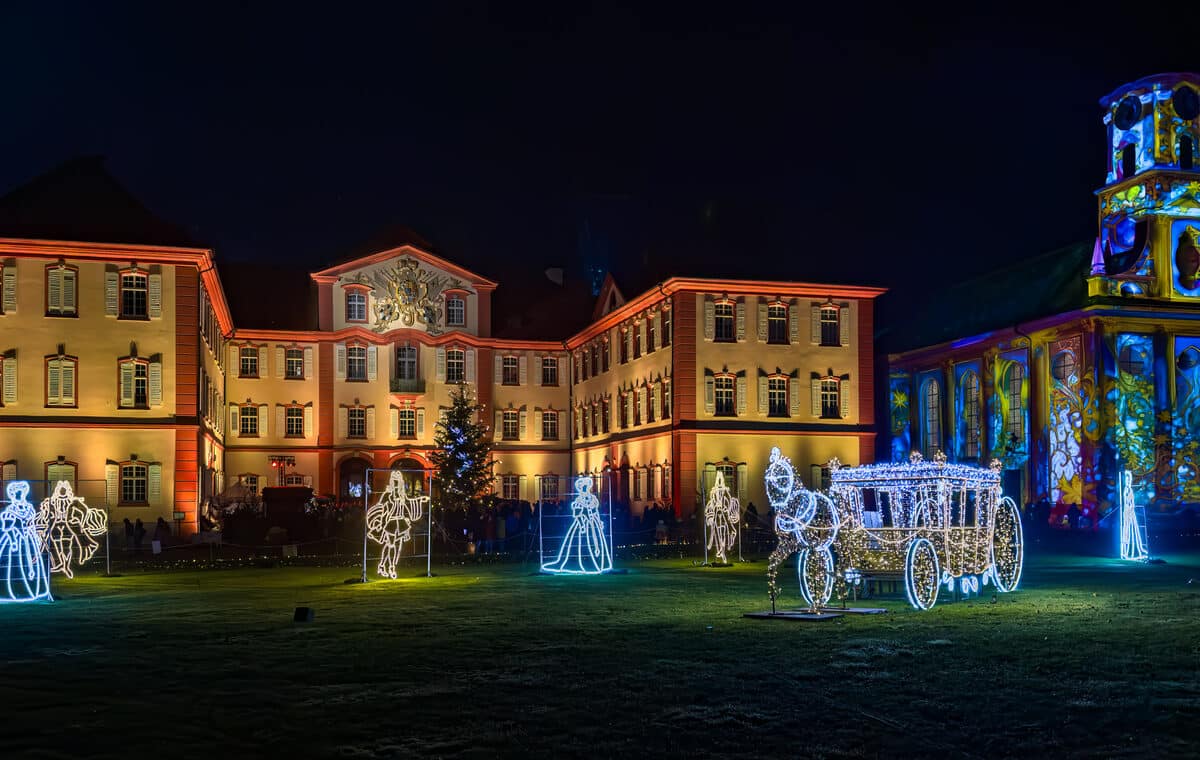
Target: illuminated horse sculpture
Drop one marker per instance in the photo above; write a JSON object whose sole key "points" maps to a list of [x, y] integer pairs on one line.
{"points": [[390, 521], [805, 521], [70, 528]]}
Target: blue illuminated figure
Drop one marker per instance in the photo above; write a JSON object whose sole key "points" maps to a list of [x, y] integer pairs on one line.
{"points": [[22, 570], [585, 549]]}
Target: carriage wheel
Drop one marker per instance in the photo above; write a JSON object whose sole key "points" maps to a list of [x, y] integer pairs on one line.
{"points": [[1008, 546], [816, 576], [921, 574]]}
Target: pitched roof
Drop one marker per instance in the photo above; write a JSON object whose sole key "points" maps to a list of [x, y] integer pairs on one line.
{"points": [[80, 200], [395, 241]]}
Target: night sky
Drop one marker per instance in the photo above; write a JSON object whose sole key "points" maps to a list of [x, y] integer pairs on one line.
{"points": [[886, 149]]}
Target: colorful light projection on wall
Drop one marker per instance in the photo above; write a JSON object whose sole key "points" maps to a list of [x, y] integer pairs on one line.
{"points": [[70, 528], [1129, 408], [22, 568], [1134, 543], [968, 411], [391, 519], [1065, 428], [899, 388], [1185, 258], [1009, 428], [1185, 419], [722, 512], [585, 549]]}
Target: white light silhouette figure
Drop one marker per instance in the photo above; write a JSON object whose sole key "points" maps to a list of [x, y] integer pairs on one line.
{"points": [[721, 514], [1132, 546], [390, 521], [21, 567], [70, 528], [585, 549]]}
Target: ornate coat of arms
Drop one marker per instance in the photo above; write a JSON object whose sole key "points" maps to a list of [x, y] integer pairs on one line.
{"points": [[407, 294]]}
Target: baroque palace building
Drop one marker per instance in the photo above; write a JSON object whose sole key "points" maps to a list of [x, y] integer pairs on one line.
{"points": [[127, 367], [1083, 363]]}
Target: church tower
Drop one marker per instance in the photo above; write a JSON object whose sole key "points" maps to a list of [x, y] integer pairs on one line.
{"points": [[1149, 236]]}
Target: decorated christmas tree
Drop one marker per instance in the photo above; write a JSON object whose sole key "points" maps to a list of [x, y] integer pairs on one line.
{"points": [[461, 461]]}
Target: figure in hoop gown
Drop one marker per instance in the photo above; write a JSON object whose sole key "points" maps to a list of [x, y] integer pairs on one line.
{"points": [[585, 549], [22, 571]]}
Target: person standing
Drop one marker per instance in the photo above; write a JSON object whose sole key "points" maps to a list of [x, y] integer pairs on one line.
{"points": [[139, 532], [128, 534]]}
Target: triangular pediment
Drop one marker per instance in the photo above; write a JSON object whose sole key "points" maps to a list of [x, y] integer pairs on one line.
{"points": [[610, 298], [365, 265]]}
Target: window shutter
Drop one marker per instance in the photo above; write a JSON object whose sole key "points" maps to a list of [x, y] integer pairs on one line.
{"points": [[537, 425], [469, 360], [740, 316], [522, 424], [126, 383], [308, 481], [499, 431], [112, 484], [815, 477], [814, 327], [53, 380], [762, 320], [815, 386], [629, 408], [762, 395], [308, 363], [154, 381], [339, 353], [523, 370], [793, 322], [499, 369], [710, 317], [420, 423], [440, 371], [280, 361], [538, 363], [642, 327], [154, 295], [262, 362], [54, 289], [308, 421], [68, 290], [710, 401], [742, 477], [372, 362], [110, 293], [794, 396], [844, 324], [844, 397], [10, 290], [656, 401], [234, 360], [563, 377], [657, 331], [343, 422], [154, 484], [394, 422], [10, 379], [740, 385], [371, 422], [280, 420], [262, 420], [67, 369]]}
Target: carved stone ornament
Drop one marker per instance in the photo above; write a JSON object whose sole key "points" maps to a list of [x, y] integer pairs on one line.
{"points": [[407, 294]]}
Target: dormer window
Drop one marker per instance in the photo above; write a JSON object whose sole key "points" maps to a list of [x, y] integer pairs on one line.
{"points": [[456, 311], [356, 305]]}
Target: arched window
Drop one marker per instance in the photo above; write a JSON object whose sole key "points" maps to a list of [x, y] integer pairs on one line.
{"points": [[971, 415], [1014, 383], [1186, 148], [1132, 360], [1063, 366], [931, 414], [1128, 161]]}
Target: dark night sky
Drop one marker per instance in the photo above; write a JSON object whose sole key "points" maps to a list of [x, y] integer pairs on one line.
{"points": [[858, 148]]}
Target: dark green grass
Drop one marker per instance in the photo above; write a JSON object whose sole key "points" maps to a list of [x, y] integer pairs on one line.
{"points": [[1091, 657]]}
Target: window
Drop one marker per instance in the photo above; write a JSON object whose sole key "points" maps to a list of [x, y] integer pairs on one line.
{"points": [[972, 421], [248, 421], [549, 488], [723, 388], [60, 470], [1063, 366], [60, 381], [1128, 161], [666, 327], [356, 419], [638, 348], [294, 364], [549, 370], [777, 323], [456, 311], [406, 362], [604, 355], [624, 346], [251, 483], [650, 334], [356, 305], [651, 397], [294, 422], [292, 479], [637, 484], [1014, 383], [666, 401], [1186, 148], [595, 419], [724, 323], [133, 376], [61, 291], [248, 362], [777, 397], [509, 371], [604, 415], [456, 364], [510, 428], [356, 363], [638, 395], [133, 483], [550, 426], [728, 470], [133, 295], [931, 430], [510, 487], [830, 326], [624, 411], [1132, 360], [408, 423], [831, 398], [595, 354]]}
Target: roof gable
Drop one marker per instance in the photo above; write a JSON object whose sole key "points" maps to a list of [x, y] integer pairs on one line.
{"points": [[475, 280]]}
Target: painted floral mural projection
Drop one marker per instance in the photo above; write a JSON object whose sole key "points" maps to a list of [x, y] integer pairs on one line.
{"points": [[1130, 405], [1066, 422], [1010, 409], [1186, 419], [898, 386]]}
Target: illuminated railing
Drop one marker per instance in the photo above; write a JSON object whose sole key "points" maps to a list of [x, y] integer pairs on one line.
{"points": [[408, 386]]}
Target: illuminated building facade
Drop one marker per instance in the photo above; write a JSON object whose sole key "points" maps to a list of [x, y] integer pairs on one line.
{"points": [[1088, 361]]}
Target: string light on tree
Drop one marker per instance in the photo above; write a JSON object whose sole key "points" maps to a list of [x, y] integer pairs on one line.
{"points": [[69, 528], [390, 521], [21, 567], [721, 514]]}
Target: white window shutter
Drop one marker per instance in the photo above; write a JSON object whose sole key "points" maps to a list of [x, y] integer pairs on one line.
{"points": [[53, 381], [499, 369], [308, 421], [538, 361], [420, 423], [112, 484], [563, 377], [537, 424], [642, 327], [372, 362], [499, 431], [742, 477], [794, 396], [629, 344], [126, 384], [154, 484], [343, 422], [280, 420], [308, 481], [263, 367], [308, 363], [523, 369], [739, 310], [67, 371], [469, 360], [440, 375], [762, 320], [280, 361], [10, 379], [522, 424], [656, 401], [393, 422], [54, 289], [155, 383], [657, 331], [762, 395], [816, 477], [234, 360], [154, 295], [844, 324], [10, 290], [814, 327], [69, 283], [371, 422], [815, 388], [844, 397], [710, 317], [339, 353], [235, 428], [110, 293], [262, 420], [793, 322], [740, 385], [710, 400]]}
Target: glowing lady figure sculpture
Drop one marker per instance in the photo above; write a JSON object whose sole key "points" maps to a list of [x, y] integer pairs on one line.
{"points": [[390, 521], [70, 528], [585, 549], [22, 571], [721, 515]]}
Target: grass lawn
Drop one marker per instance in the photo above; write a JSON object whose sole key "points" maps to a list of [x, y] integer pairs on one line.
{"points": [[1090, 657]]}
